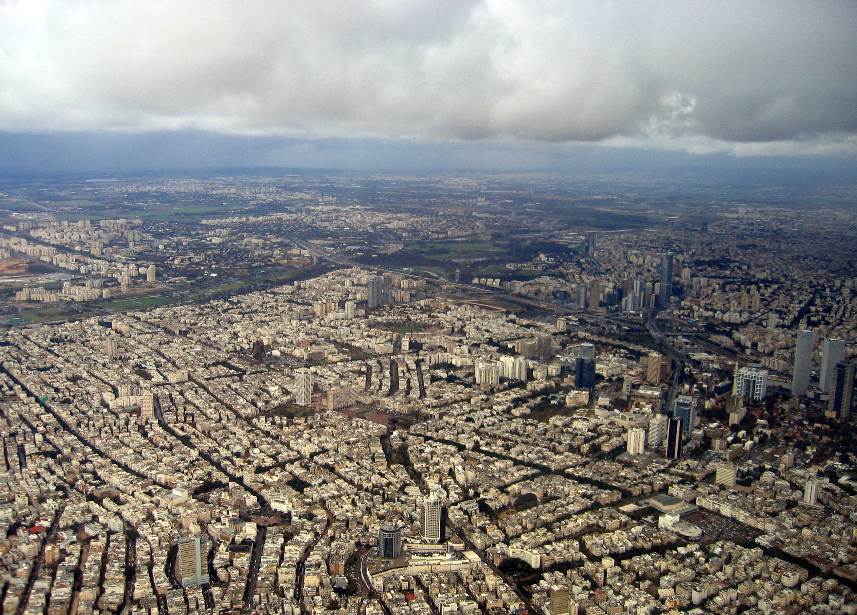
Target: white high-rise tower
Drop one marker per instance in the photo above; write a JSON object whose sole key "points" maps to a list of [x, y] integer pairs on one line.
{"points": [[431, 518]]}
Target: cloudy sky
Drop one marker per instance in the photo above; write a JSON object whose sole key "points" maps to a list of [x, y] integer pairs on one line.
{"points": [[530, 79]]}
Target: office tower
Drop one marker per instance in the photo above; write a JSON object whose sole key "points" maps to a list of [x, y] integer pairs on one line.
{"points": [[389, 541], [431, 518], [374, 291], [750, 383], [190, 569], [636, 441], [560, 602], [833, 353], [803, 362], [683, 409], [386, 289], [303, 388], [842, 389], [151, 273], [487, 373], [590, 243], [544, 343], [584, 373], [350, 309], [658, 430], [561, 325], [725, 476], [658, 368], [674, 439], [810, 492], [666, 280], [580, 293], [594, 295]]}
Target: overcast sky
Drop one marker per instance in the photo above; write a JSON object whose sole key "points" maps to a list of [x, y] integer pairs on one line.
{"points": [[750, 77]]}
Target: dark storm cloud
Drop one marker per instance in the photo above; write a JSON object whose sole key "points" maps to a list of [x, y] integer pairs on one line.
{"points": [[750, 76]]}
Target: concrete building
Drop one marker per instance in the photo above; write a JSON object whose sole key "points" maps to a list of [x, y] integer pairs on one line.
{"points": [[191, 570], [666, 280], [303, 388], [658, 430], [636, 441], [750, 383], [725, 476]]}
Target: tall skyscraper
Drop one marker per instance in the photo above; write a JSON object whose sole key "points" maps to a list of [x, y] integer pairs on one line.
{"points": [[389, 541], [636, 441], [431, 518], [375, 291], [683, 409], [750, 382], [303, 388], [842, 389], [190, 570], [674, 439], [151, 274], [832, 353], [803, 362], [584, 373], [666, 280], [590, 243]]}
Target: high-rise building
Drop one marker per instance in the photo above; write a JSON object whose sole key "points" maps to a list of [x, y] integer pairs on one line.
{"points": [[111, 347], [674, 439], [725, 476], [832, 353], [584, 373], [303, 388], [803, 362], [750, 383], [594, 295], [350, 309], [683, 409], [666, 280], [513, 368], [810, 492], [374, 291], [658, 430], [389, 541], [151, 274], [590, 244], [658, 368], [487, 373], [432, 518], [189, 568], [636, 441], [842, 389]]}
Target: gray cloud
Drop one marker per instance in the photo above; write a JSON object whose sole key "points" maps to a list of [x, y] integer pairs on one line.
{"points": [[767, 76]]}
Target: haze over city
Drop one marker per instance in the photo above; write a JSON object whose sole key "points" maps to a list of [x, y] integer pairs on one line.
{"points": [[443, 307]]}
